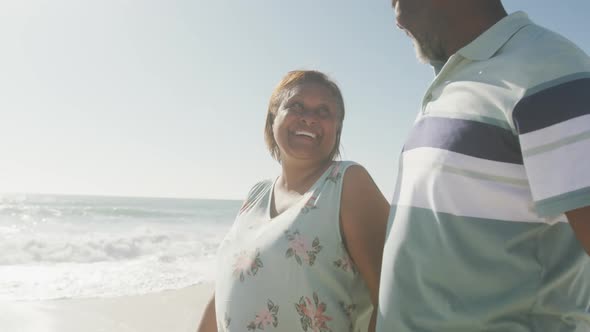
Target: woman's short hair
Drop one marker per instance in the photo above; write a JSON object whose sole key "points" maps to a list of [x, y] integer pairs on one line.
{"points": [[292, 79]]}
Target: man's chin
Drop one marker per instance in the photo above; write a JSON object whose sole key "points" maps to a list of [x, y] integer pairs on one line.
{"points": [[422, 59], [425, 57], [420, 54]]}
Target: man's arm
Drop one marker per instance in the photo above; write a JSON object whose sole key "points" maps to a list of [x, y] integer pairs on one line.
{"points": [[579, 219]]}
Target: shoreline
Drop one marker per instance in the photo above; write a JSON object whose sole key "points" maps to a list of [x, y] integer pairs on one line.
{"points": [[171, 310]]}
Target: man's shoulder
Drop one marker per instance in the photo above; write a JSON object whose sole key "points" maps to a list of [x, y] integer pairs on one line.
{"points": [[535, 45], [536, 55]]}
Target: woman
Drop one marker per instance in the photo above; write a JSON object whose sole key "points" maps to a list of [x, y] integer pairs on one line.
{"points": [[305, 250]]}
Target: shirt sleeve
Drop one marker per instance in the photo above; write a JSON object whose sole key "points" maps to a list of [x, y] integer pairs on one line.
{"points": [[553, 124]]}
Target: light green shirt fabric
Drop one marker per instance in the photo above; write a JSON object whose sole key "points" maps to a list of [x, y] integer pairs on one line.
{"points": [[477, 237]]}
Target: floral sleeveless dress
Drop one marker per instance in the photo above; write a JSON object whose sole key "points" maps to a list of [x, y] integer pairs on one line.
{"points": [[291, 272]]}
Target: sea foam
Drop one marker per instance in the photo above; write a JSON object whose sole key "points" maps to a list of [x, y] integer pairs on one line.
{"points": [[81, 246]]}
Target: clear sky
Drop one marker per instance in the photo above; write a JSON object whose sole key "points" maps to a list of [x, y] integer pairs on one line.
{"points": [[168, 98]]}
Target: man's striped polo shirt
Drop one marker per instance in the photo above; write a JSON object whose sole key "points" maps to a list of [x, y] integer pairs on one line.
{"points": [[477, 237]]}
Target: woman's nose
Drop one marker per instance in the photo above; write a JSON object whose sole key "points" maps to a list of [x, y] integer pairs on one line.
{"points": [[309, 116]]}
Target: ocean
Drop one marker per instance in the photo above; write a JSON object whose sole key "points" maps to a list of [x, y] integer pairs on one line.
{"points": [[57, 246]]}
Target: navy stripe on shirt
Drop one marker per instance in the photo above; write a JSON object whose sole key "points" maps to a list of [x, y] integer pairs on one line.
{"points": [[552, 105], [468, 137]]}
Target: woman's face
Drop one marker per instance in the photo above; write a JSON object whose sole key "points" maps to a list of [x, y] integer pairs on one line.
{"points": [[307, 123]]}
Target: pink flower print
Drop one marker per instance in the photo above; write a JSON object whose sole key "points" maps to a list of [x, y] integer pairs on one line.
{"points": [[345, 262], [310, 204], [247, 263], [300, 249], [265, 317], [299, 245], [334, 175], [243, 261], [348, 310], [312, 314]]}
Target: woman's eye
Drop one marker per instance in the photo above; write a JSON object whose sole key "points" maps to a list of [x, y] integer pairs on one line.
{"points": [[296, 107], [323, 112]]}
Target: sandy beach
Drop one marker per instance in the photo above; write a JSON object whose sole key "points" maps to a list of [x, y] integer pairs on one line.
{"points": [[170, 311]]}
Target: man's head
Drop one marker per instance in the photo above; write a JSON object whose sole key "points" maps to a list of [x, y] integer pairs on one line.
{"points": [[439, 28], [422, 21]]}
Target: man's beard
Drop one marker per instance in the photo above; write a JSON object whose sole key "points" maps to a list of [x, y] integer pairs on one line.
{"points": [[429, 50]]}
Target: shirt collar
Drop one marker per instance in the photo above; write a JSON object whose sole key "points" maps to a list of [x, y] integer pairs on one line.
{"points": [[489, 42]]}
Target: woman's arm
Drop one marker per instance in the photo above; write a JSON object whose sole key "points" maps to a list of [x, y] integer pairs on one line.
{"points": [[208, 320], [363, 219]]}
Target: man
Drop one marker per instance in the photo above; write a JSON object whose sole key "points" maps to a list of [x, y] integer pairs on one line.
{"points": [[490, 223]]}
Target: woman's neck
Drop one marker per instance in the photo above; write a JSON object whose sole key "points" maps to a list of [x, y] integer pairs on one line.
{"points": [[299, 177]]}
